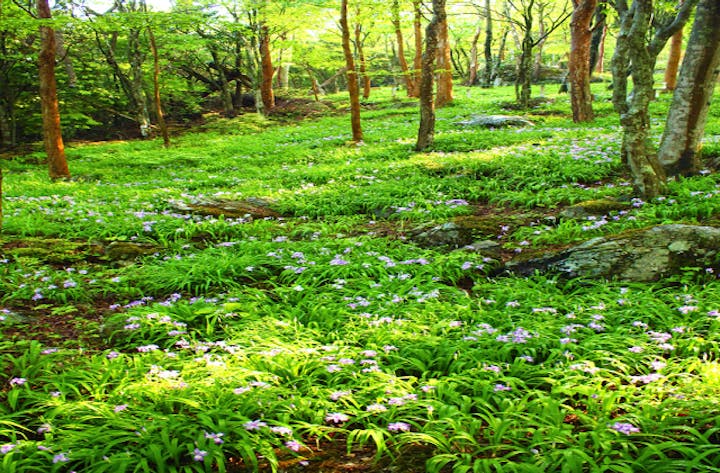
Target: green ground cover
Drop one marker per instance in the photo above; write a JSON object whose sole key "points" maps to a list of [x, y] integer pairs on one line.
{"points": [[241, 344]]}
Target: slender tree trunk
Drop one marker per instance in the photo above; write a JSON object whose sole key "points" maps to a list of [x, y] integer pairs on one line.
{"points": [[600, 62], [473, 64], [597, 41], [680, 144], [156, 90], [444, 66], [426, 131], [488, 74], [579, 64], [500, 57], [352, 78], [142, 115], [52, 134], [537, 65], [407, 77], [6, 127], [65, 58], [266, 88], [523, 84], [417, 60], [674, 61], [313, 81], [364, 78]]}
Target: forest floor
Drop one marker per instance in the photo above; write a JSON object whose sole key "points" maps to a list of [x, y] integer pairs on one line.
{"points": [[265, 295]]}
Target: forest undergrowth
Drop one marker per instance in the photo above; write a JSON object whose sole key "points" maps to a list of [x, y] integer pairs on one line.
{"points": [[142, 331]]}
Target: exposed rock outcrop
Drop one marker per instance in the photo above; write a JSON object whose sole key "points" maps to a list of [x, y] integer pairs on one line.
{"points": [[495, 121], [247, 208], [641, 255]]}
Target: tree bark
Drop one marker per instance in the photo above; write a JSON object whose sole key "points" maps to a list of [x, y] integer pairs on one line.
{"points": [[52, 134], [537, 65], [407, 76], [674, 61], [636, 55], [599, 62], [156, 90], [488, 74], [426, 131], [444, 65], [681, 140], [364, 78], [266, 81], [473, 64], [352, 78], [579, 64], [417, 60]]}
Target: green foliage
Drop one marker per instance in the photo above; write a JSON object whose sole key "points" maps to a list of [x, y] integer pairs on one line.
{"points": [[244, 343]]}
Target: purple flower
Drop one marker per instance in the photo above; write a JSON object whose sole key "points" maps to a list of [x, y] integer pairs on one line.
{"points": [[337, 261], [120, 408], [199, 455], [254, 425], [60, 458], [501, 387], [281, 430], [398, 427], [216, 438], [624, 428], [636, 349], [336, 417], [7, 448], [17, 381], [293, 445], [147, 348], [376, 408], [338, 394], [44, 428]]}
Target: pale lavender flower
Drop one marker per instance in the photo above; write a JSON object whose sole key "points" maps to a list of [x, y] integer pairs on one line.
{"points": [[120, 408], [338, 394], [199, 455], [293, 445], [254, 425], [376, 408], [18, 381], [60, 458], [148, 348], [336, 417], [215, 437], [398, 427], [7, 448], [501, 387], [281, 430], [636, 349]]}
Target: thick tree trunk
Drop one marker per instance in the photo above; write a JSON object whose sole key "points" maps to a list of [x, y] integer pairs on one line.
{"points": [[418, 37], [407, 76], [488, 74], [686, 120], [156, 90], [636, 55], [674, 61], [352, 78], [579, 65], [52, 134], [426, 131], [444, 66], [473, 63], [266, 69]]}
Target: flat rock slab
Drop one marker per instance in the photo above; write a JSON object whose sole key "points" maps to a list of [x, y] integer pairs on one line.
{"points": [[496, 121], [247, 208], [639, 256]]}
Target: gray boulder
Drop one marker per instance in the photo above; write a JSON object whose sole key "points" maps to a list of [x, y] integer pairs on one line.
{"points": [[495, 121], [637, 256]]}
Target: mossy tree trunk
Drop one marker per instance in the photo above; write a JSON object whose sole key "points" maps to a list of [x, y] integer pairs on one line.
{"points": [[426, 131], [352, 78], [579, 64]]}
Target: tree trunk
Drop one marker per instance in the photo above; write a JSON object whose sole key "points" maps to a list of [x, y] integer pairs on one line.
{"points": [[523, 84], [352, 78], [636, 55], [52, 134], [674, 61], [488, 74], [364, 78], [426, 131], [599, 66], [417, 60], [136, 82], [266, 88], [444, 65], [156, 90], [680, 144], [65, 58], [407, 77], [579, 65], [473, 64], [537, 65], [7, 126]]}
